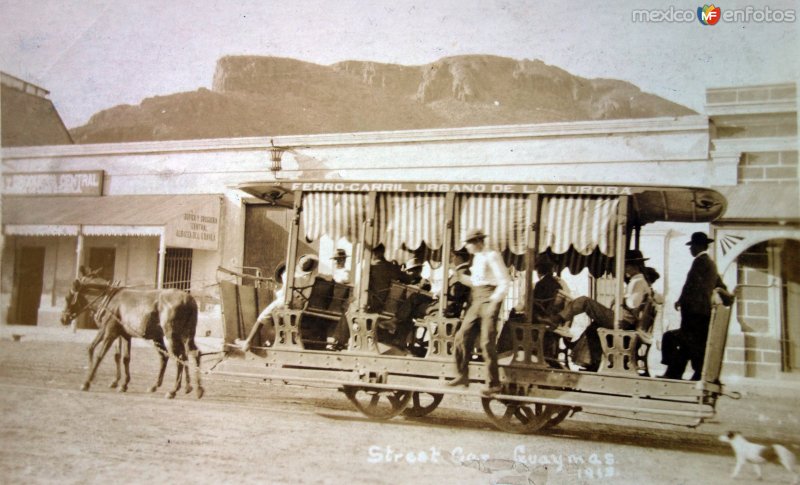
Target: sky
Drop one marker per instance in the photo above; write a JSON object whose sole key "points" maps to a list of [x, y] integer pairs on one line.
{"points": [[93, 55]]}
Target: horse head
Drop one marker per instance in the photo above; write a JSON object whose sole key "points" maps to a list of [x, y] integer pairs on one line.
{"points": [[76, 301]]}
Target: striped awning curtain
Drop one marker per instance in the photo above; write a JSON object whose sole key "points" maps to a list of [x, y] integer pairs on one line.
{"points": [[410, 220], [502, 217], [584, 223], [334, 214]]}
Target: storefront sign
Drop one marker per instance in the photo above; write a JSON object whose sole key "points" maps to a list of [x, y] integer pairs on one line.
{"points": [[54, 183], [197, 228]]}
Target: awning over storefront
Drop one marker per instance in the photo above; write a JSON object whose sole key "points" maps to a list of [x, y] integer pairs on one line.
{"points": [[189, 221]]}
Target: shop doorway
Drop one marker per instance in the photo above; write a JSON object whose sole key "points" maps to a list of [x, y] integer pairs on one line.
{"points": [[103, 259], [29, 280]]}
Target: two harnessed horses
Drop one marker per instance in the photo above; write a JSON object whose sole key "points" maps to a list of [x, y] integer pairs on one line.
{"points": [[167, 317]]}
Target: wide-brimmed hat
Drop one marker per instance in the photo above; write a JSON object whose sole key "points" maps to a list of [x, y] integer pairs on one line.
{"points": [[339, 254], [634, 256], [699, 239], [413, 263], [306, 264], [474, 235]]}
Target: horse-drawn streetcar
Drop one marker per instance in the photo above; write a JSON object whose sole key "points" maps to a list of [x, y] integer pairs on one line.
{"points": [[386, 370]]}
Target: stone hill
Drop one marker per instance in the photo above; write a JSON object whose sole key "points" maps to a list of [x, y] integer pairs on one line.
{"points": [[262, 96]]}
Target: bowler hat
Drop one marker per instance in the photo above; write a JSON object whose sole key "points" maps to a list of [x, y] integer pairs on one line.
{"points": [[474, 235], [699, 239], [340, 254], [634, 256]]}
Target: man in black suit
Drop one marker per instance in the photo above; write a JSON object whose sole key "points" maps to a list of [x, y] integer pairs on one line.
{"points": [[689, 342]]}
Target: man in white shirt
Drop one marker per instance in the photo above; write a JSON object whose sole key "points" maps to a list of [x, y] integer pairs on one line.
{"points": [[341, 273], [636, 291], [489, 281]]}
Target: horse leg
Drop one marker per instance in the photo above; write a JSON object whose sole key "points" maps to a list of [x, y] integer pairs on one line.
{"points": [[117, 357], [191, 349], [164, 356], [178, 369], [97, 338], [125, 343], [108, 340], [187, 375]]}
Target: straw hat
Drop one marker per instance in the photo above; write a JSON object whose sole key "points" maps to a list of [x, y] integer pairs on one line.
{"points": [[474, 235]]}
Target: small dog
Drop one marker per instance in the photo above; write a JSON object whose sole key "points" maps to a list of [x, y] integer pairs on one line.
{"points": [[747, 451]]}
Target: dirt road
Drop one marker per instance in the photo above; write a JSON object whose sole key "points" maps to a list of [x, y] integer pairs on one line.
{"points": [[250, 432]]}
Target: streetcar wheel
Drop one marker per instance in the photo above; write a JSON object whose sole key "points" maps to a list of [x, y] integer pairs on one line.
{"points": [[521, 417], [378, 403], [422, 404], [557, 417]]}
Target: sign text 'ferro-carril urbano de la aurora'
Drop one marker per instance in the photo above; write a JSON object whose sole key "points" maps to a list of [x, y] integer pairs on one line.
{"points": [[478, 188]]}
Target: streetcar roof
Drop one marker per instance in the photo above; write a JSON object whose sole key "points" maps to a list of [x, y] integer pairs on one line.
{"points": [[648, 203]]}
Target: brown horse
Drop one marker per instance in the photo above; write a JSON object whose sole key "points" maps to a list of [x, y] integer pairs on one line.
{"points": [[167, 317]]}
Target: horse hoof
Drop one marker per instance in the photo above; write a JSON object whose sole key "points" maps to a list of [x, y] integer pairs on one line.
{"points": [[152, 389], [113, 385], [200, 392], [170, 395], [85, 386], [122, 389], [188, 390]]}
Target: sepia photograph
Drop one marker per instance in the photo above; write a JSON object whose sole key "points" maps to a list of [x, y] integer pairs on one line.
{"points": [[499, 242]]}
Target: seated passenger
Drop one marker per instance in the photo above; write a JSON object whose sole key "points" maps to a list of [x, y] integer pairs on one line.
{"points": [[550, 294], [414, 306], [637, 290], [341, 273], [381, 275], [304, 275]]}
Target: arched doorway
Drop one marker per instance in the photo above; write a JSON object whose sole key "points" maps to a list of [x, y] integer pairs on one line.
{"points": [[764, 267]]}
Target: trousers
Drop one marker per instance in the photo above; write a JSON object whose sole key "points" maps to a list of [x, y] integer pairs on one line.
{"points": [[481, 318], [601, 315], [687, 344]]}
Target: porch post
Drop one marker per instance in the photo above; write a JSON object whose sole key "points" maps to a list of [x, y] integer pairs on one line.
{"points": [[162, 254], [79, 252]]}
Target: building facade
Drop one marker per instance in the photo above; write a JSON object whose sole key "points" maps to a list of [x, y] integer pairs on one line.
{"points": [[168, 213]]}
